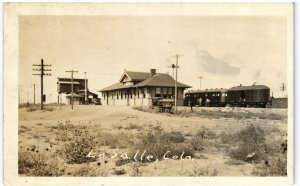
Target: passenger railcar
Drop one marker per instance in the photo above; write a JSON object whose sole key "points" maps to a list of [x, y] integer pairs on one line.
{"points": [[210, 98], [248, 96]]}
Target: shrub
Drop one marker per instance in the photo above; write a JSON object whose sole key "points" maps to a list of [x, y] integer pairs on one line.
{"points": [[156, 142], [227, 138], [173, 136], [113, 140], [204, 137], [119, 171], [87, 170], [246, 144], [76, 141], [205, 133], [273, 166], [34, 162], [136, 167]]}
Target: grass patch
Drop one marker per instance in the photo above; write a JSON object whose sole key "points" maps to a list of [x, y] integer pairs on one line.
{"points": [[273, 166], [38, 162], [76, 141], [132, 126], [157, 143], [234, 113], [204, 171], [234, 162], [247, 144], [203, 139]]}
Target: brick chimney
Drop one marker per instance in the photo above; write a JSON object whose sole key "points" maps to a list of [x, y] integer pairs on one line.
{"points": [[152, 72]]}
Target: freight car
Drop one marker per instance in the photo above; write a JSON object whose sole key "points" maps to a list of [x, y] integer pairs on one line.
{"points": [[248, 96], [210, 98], [240, 96]]}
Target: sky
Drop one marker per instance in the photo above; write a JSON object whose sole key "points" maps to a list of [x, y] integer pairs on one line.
{"points": [[225, 50]]}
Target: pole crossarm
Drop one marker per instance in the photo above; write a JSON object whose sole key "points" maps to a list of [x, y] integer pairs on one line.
{"points": [[42, 74]]}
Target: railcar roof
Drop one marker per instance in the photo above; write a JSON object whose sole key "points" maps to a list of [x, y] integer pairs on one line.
{"points": [[252, 87], [207, 91]]}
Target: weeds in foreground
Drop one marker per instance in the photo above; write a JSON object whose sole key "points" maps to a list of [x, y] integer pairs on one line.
{"points": [[247, 144], [200, 171], [203, 139], [157, 143], [37, 162], [273, 166], [76, 142]]}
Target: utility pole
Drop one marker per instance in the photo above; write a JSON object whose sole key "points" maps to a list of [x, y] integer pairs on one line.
{"points": [[85, 90], [200, 81], [34, 94], [27, 97], [42, 74], [72, 72], [176, 73], [283, 88]]}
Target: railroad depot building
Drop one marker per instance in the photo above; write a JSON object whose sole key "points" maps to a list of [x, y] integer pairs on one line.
{"points": [[64, 91], [139, 89]]}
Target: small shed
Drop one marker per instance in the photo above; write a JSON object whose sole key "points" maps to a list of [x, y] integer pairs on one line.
{"points": [[77, 99]]}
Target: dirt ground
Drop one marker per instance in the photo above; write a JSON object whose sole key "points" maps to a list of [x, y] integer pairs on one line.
{"points": [[36, 129]]}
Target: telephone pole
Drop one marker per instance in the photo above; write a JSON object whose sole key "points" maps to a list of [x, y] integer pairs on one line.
{"points": [[27, 97], [85, 90], [72, 72], [283, 88], [42, 69], [34, 94], [200, 81], [176, 73]]}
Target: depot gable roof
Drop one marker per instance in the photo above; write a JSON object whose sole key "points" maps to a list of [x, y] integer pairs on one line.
{"points": [[162, 80], [158, 80]]}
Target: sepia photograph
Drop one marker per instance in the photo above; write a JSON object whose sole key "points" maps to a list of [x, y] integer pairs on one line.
{"points": [[156, 92]]}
